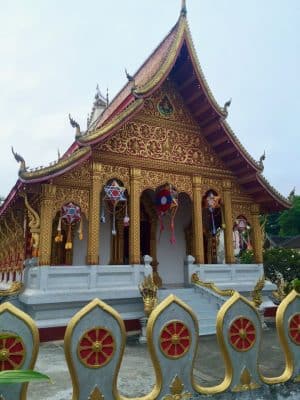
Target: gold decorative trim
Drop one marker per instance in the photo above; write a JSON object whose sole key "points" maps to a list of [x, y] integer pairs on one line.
{"points": [[246, 383], [8, 307], [68, 337], [283, 339], [225, 384], [177, 388], [96, 394], [113, 123], [60, 165], [14, 289], [210, 285], [152, 349]]}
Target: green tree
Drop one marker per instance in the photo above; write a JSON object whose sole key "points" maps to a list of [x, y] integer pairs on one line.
{"points": [[289, 220], [272, 226]]}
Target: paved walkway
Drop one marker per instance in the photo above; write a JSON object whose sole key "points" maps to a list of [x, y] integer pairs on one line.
{"points": [[136, 376]]}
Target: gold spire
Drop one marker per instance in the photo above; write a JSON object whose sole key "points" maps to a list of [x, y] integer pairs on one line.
{"points": [[183, 11]]}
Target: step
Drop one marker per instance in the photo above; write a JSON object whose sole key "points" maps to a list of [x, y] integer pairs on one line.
{"points": [[203, 306]]}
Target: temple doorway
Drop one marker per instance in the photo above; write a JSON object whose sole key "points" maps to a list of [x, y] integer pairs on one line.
{"points": [[171, 256]]}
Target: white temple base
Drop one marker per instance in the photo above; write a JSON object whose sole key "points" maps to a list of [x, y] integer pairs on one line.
{"points": [[240, 277], [53, 295]]}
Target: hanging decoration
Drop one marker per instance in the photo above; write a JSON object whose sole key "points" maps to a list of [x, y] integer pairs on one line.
{"points": [[241, 234], [213, 204], [70, 215], [166, 202], [114, 194]]}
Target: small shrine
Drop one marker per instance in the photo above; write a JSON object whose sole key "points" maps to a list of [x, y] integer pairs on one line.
{"points": [[157, 172]]}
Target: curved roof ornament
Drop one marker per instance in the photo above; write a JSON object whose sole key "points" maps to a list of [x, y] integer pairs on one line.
{"points": [[292, 194], [183, 10], [226, 106], [75, 125], [261, 161], [20, 160]]}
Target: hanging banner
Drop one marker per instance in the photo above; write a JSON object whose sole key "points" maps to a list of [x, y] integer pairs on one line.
{"points": [[166, 202]]}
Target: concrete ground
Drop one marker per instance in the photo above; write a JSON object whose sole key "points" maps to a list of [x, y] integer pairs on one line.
{"points": [[136, 376]]}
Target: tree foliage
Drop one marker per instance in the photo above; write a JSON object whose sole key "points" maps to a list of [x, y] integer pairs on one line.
{"points": [[289, 220], [284, 261]]}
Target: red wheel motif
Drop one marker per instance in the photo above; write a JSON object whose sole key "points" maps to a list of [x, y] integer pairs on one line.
{"points": [[12, 352], [175, 339], [242, 334], [294, 328], [96, 347]]}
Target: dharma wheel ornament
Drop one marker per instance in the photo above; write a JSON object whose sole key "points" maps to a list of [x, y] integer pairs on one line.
{"points": [[242, 334], [96, 347], [114, 195], [175, 339], [166, 202], [12, 352], [70, 215], [294, 329]]}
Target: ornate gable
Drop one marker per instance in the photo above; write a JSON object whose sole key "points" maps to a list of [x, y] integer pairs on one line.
{"points": [[164, 130]]}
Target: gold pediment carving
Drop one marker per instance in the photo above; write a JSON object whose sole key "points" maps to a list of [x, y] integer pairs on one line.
{"points": [[174, 138]]}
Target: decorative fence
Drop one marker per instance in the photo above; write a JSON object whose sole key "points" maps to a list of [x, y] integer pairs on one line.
{"points": [[95, 341]]}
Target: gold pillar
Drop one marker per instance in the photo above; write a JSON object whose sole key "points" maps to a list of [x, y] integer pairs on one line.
{"points": [[228, 222], [48, 196], [134, 229], [256, 234], [197, 221], [94, 215]]}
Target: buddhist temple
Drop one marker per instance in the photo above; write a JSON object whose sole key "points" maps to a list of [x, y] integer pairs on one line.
{"points": [[157, 173]]}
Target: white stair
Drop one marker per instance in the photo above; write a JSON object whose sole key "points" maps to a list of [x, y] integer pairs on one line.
{"points": [[204, 304]]}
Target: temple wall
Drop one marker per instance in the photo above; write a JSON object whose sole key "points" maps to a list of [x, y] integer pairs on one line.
{"points": [[80, 246], [105, 241], [171, 256]]}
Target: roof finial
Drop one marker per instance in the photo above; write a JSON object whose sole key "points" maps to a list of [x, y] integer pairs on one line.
{"points": [[291, 196], [20, 160], [107, 97], [226, 106], [261, 160], [75, 125], [183, 11]]}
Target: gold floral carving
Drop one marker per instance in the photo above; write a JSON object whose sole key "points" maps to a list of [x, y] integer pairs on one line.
{"points": [[177, 392], [176, 138], [65, 194], [116, 172], [96, 394], [48, 197], [94, 217], [78, 177], [210, 183], [241, 209], [12, 242], [34, 226], [153, 179], [134, 206]]}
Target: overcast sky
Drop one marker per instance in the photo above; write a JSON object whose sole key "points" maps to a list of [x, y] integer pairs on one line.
{"points": [[54, 52]]}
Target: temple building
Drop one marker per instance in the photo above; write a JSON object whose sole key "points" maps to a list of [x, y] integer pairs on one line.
{"points": [[157, 172]]}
